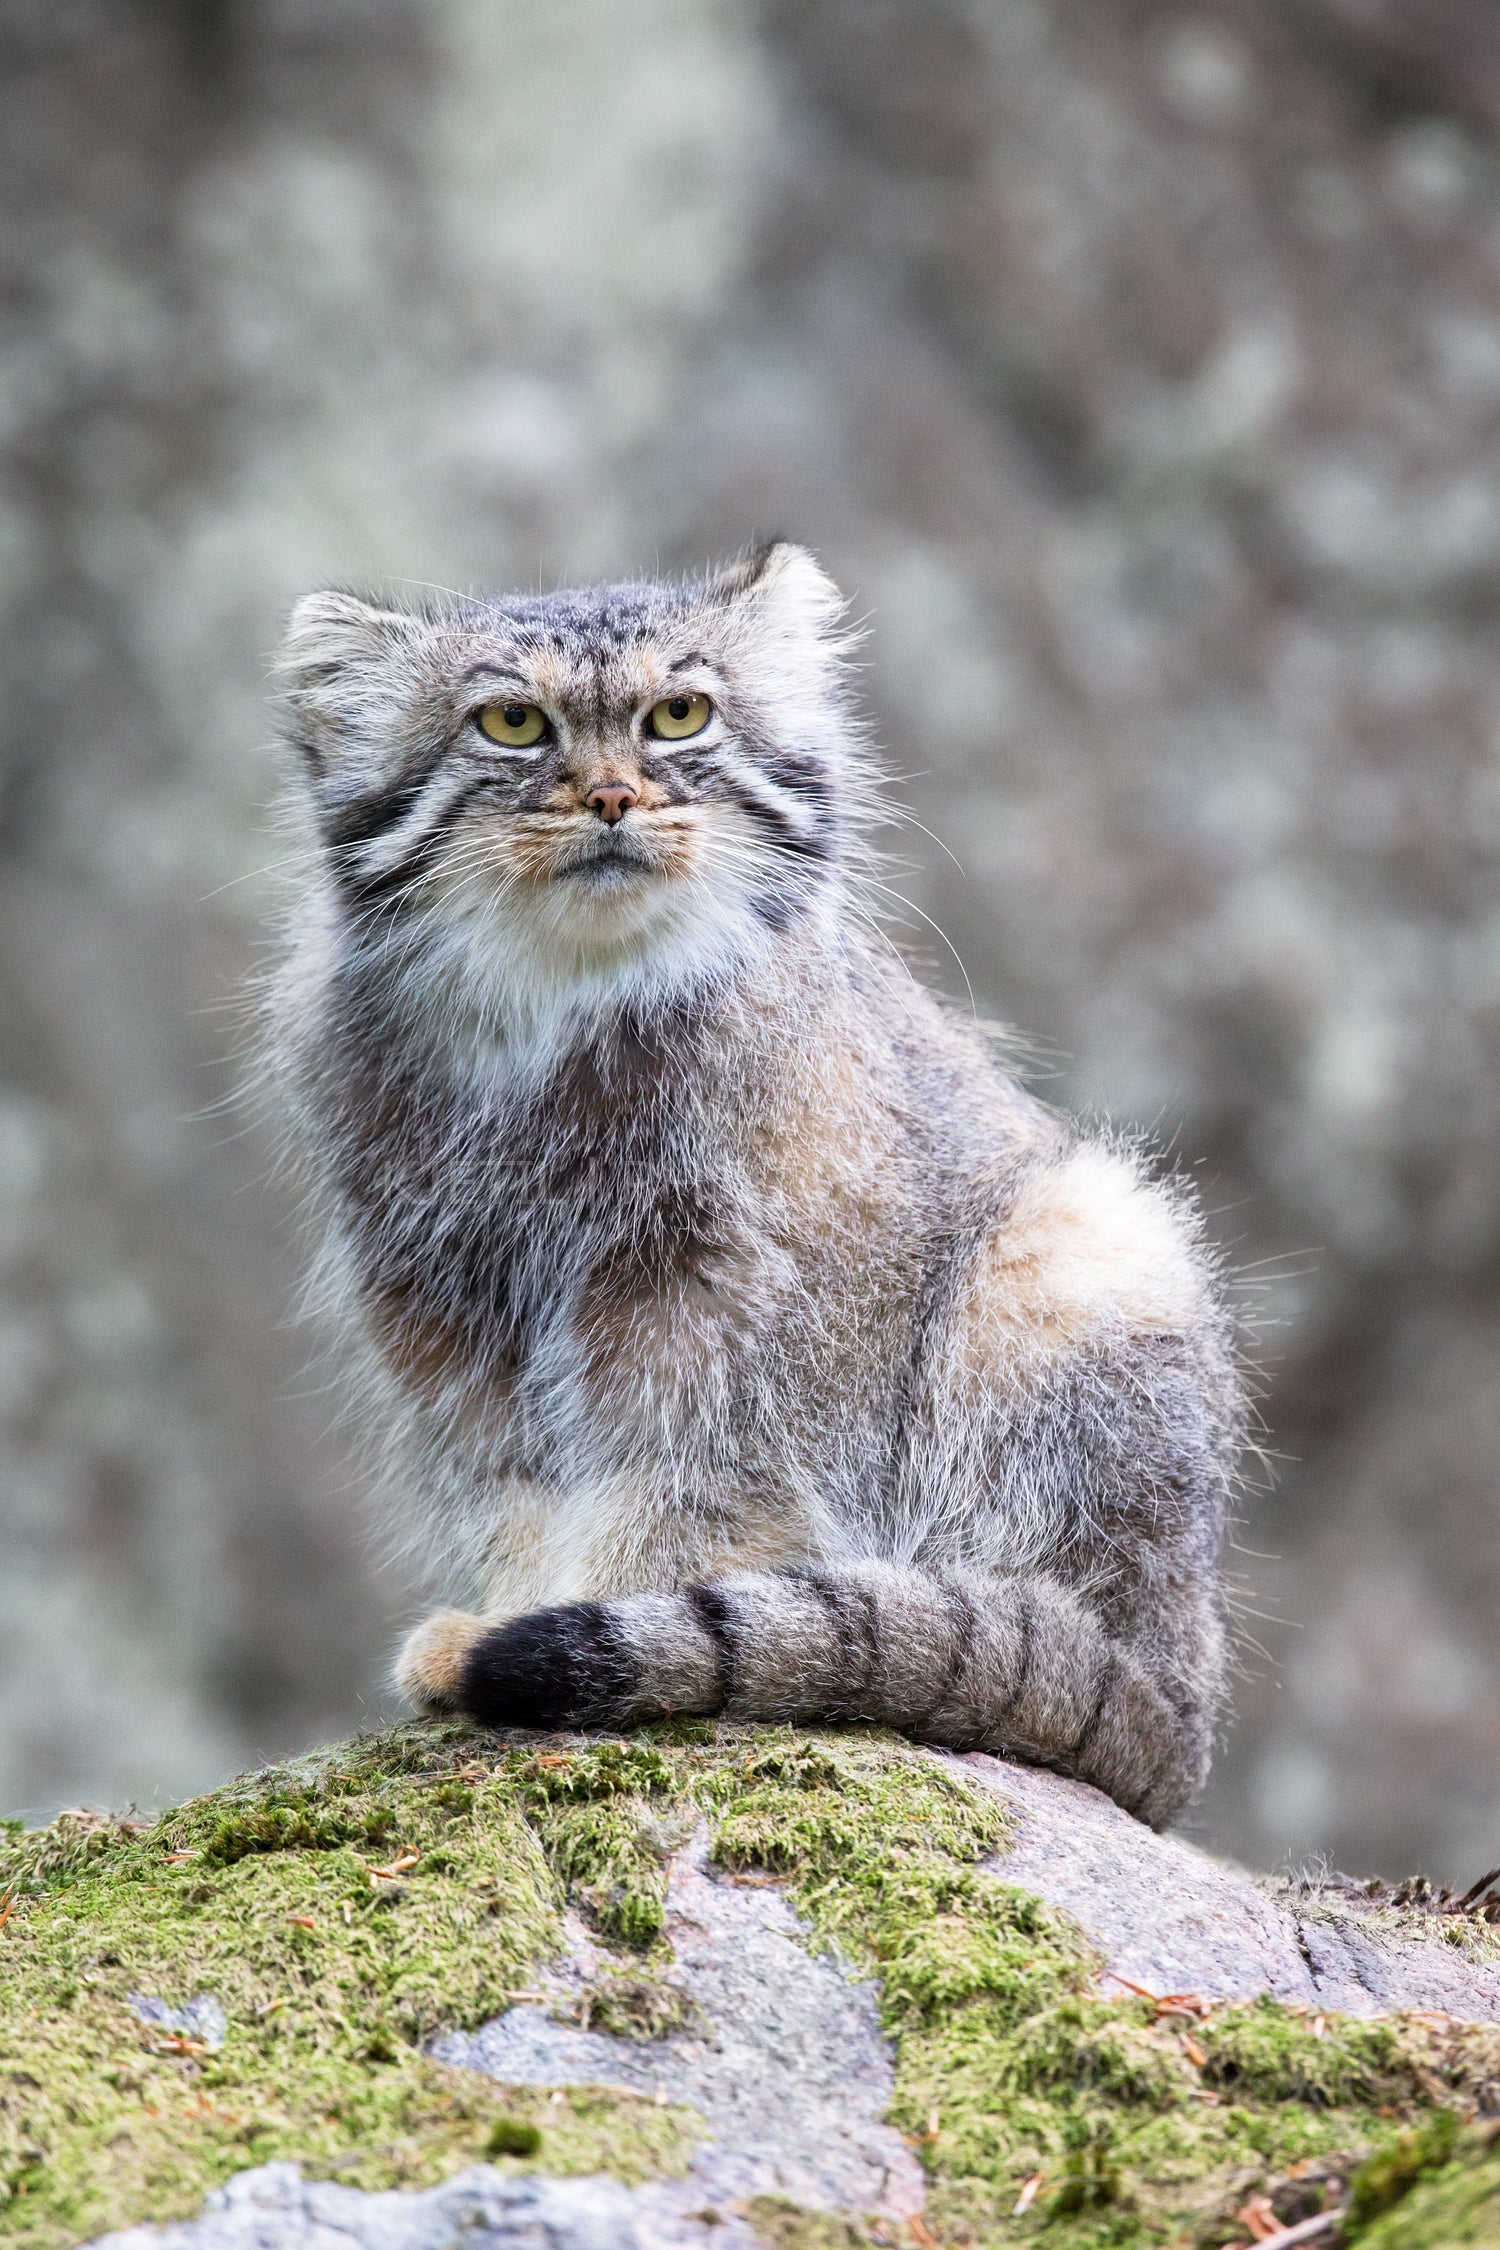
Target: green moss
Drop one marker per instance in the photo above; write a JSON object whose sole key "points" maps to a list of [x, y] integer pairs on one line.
{"points": [[787, 2226], [1477, 1940], [1453, 2206], [1259, 2051], [1393, 2171], [1136, 2129], [607, 1813], [342, 1909], [512, 2136], [634, 2006], [339, 1911]]}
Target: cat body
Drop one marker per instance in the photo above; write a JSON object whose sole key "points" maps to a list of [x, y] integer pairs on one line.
{"points": [[745, 1337]]}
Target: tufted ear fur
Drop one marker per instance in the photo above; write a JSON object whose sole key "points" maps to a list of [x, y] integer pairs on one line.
{"points": [[780, 607], [786, 585], [329, 632], [342, 664]]}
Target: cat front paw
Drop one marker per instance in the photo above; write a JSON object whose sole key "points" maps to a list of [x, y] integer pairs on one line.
{"points": [[430, 1668]]}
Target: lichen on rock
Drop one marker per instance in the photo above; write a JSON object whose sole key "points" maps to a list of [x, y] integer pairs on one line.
{"points": [[347, 1912]]}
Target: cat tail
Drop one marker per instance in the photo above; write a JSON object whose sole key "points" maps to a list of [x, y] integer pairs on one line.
{"points": [[1019, 1665]]}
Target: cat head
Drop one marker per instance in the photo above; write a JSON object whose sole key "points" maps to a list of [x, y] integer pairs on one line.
{"points": [[588, 778]]}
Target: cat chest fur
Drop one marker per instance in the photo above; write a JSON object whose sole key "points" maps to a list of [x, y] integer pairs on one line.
{"points": [[584, 1267]]}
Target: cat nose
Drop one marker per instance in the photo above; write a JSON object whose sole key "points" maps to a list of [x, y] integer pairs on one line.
{"points": [[612, 800]]}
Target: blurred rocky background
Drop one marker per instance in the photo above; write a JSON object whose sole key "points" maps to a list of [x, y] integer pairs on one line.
{"points": [[1135, 366]]}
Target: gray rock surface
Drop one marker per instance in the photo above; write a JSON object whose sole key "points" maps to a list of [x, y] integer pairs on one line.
{"points": [[787, 2064], [274, 2208], [1171, 1919], [202, 2017]]}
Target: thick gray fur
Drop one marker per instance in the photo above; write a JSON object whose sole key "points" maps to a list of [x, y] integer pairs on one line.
{"points": [[738, 1333]]}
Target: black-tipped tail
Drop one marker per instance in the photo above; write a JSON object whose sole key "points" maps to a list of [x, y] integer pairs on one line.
{"points": [[563, 1667]]}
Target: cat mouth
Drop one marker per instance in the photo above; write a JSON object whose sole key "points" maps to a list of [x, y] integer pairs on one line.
{"points": [[608, 865]]}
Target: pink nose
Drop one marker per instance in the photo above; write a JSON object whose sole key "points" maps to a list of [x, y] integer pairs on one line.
{"points": [[612, 801]]}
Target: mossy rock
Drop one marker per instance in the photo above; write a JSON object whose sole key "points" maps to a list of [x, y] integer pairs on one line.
{"points": [[342, 1910]]}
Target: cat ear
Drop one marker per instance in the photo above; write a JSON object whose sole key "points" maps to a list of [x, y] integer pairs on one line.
{"points": [[339, 664], [327, 633], [781, 616], [786, 585]]}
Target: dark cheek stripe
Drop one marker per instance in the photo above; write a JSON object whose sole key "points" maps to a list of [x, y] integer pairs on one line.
{"points": [[775, 909], [800, 778], [776, 826], [779, 831], [369, 889], [363, 822]]}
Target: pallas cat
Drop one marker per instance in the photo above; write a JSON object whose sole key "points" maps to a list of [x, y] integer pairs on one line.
{"points": [[744, 1338]]}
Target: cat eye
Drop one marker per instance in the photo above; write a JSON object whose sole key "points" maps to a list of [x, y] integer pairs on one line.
{"points": [[678, 716], [517, 725]]}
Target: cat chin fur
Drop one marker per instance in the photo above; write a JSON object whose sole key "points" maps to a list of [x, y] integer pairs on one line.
{"points": [[717, 1307], [517, 990]]}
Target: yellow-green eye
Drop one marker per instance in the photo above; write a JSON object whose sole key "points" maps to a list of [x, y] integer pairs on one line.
{"points": [[517, 725], [678, 716]]}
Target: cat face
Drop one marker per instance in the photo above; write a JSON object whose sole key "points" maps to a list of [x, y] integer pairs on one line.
{"points": [[589, 774]]}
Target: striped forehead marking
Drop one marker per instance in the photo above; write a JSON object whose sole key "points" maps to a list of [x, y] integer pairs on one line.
{"points": [[597, 684]]}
